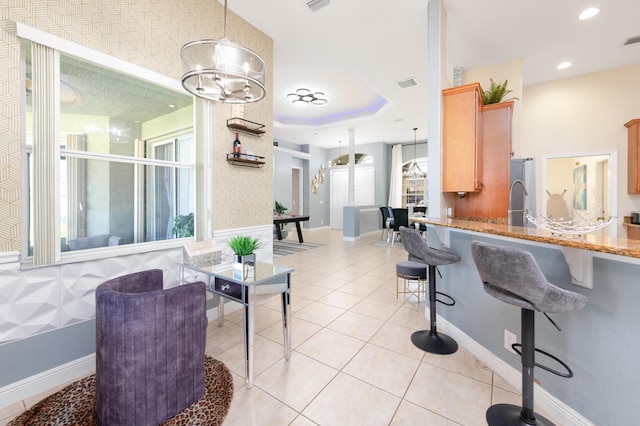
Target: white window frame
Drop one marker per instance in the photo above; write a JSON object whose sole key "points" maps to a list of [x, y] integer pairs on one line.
{"points": [[67, 47]]}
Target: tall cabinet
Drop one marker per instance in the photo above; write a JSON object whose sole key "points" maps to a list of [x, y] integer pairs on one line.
{"points": [[476, 149], [633, 156], [462, 139]]}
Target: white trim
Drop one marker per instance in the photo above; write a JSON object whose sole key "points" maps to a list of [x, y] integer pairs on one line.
{"points": [[558, 410], [57, 376], [9, 257], [88, 54], [298, 154]]}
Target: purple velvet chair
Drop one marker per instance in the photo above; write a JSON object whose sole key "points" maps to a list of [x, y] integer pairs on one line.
{"points": [[150, 347]]}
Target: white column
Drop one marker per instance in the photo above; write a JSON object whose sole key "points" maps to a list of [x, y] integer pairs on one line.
{"points": [[352, 170], [436, 29]]}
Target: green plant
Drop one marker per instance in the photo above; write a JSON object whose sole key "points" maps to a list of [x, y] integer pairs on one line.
{"points": [[183, 226], [280, 209], [243, 245], [496, 93]]}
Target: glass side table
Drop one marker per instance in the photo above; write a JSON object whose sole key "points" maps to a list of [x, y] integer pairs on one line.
{"points": [[262, 280]]}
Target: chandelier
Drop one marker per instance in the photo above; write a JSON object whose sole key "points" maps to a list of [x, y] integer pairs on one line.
{"points": [[222, 71], [414, 172], [305, 97]]}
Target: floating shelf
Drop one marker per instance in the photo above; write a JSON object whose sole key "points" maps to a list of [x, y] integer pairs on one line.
{"points": [[245, 126], [245, 160]]}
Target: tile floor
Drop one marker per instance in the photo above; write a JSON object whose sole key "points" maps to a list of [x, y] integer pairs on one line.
{"points": [[352, 360]]}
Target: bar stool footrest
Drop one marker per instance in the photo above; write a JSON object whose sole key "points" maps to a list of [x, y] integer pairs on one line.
{"points": [[567, 375], [450, 302]]}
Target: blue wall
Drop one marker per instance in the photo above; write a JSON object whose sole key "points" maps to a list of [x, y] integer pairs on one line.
{"points": [[599, 342]]}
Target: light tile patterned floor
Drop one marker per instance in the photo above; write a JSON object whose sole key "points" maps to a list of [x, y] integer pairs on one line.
{"points": [[352, 361]]}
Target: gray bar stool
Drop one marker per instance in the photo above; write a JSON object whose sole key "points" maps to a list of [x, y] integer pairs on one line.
{"points": [[411, 271], [419, 251], [513, 276]]}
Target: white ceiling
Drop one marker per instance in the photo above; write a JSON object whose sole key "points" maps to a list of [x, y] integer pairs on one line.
{"points": [[355, 51]]}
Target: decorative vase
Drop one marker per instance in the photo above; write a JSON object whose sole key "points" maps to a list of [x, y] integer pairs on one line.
{"points": [[242, 265]]}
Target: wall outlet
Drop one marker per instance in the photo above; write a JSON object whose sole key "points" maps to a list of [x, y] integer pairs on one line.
{"points": [[322, 222], [509, 339]]}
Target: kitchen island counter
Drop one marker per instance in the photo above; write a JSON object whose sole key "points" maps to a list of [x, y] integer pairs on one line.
{"points": [[616, 246]]}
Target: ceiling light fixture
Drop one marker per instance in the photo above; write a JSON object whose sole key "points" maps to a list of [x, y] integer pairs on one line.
{"points": [[564, 65], [589, 13], [305, 97], [221, 71], [414, 172]]}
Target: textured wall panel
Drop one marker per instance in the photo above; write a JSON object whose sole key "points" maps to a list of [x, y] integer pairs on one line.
{"points": [[42, 299]]}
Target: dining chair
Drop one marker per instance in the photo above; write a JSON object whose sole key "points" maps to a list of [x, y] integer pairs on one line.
{"points": [[387, 220], [400, 218]]}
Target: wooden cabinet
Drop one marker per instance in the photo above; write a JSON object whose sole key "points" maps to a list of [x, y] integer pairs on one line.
{"points": [[493, 201], [633, 157], [462, 139]]}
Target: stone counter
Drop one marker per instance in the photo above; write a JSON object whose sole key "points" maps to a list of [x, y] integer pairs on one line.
{"points": [[617, 246]]}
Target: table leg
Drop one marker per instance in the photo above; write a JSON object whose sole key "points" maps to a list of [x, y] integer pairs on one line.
{"points": [[220, 311], [299, 229], [278, 231], [249, 329], [286, 319]]}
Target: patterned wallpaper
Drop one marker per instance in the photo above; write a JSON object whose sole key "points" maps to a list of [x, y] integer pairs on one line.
{"points": [[148, 33]]}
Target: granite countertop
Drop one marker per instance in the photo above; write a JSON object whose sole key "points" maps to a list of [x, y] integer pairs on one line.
{"points": [[618, 246]]}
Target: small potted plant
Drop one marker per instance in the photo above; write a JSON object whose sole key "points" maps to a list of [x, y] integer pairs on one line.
{"points": [[496, 93], [243, 247]]}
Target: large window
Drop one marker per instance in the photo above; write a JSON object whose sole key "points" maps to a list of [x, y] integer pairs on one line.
{"points": [[110, 156]]}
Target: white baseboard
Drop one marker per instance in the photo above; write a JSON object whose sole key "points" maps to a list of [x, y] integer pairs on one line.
{"points": [[559, 411], [34, 385]]}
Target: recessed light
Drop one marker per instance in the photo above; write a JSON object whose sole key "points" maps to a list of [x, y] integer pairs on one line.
{"points": [[564, 65], [172, 106], [589, 13]]}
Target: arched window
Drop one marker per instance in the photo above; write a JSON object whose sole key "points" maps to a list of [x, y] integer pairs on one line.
{"points": [[343, 160]]}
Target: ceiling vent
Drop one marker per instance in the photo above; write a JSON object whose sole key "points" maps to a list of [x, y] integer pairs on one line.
{"points": [[314, 5], [632, 40], [408, 82]]}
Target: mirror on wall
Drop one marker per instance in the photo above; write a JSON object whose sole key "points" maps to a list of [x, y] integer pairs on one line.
{"points": [[581, 184]]}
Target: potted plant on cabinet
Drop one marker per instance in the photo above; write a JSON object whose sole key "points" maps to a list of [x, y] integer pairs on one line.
{"points": [[243, 247], [496, 93]]}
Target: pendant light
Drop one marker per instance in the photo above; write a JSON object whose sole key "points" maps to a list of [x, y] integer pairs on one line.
{"points": [[414, 172], [222, 71]]}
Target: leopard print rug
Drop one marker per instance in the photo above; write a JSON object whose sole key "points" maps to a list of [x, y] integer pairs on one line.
{"points": [[75, 404]]}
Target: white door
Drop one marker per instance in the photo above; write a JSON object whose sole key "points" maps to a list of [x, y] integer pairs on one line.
{"points": [[339, 195], [364, 191]]}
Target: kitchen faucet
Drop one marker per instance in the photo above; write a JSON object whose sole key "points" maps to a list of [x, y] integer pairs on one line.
{"points": [[524, 208]]}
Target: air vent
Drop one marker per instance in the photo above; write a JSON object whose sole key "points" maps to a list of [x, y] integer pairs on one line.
{"points": [[314, 5], [409, 82], [632, 40]]}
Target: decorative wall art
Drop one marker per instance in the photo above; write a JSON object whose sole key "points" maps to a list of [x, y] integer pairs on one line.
{"points": [[580, 187], [318, 179]]}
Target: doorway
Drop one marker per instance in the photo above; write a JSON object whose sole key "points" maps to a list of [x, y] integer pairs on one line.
{"points": [[364, 191], [297, 191]]}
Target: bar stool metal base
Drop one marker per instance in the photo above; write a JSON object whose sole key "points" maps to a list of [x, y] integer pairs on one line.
{"points": [[430, 340], [511, 415], [433, 342]]}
